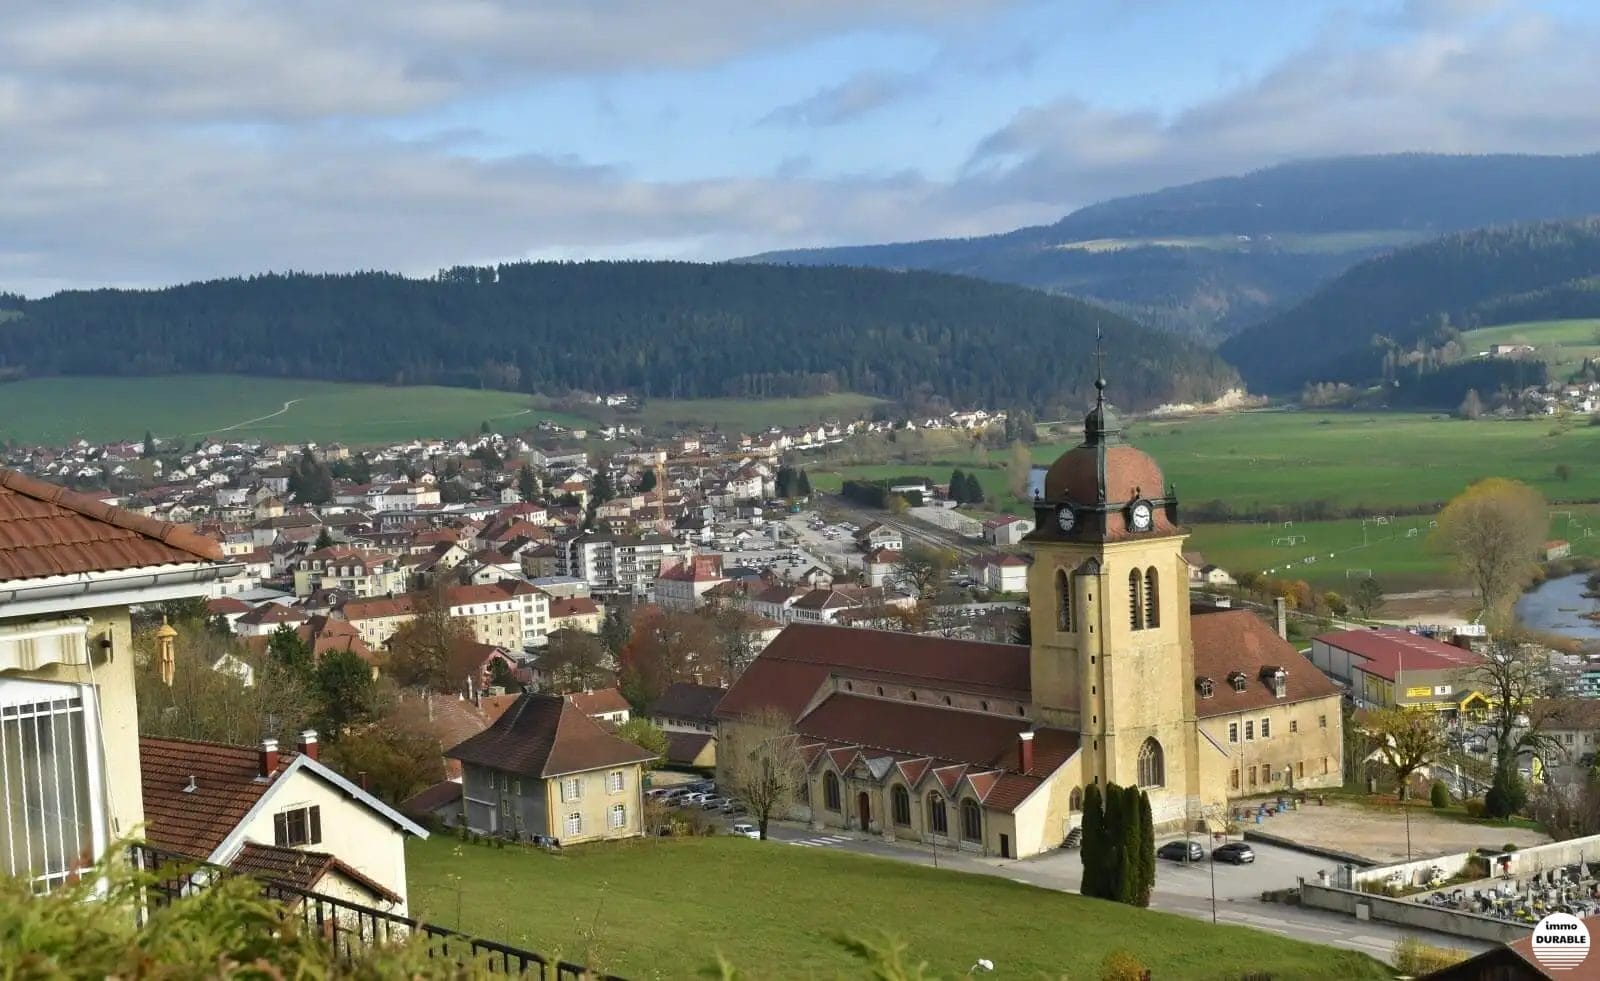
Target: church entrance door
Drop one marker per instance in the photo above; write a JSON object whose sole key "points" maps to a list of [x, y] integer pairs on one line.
{"points": [[864, 810]]}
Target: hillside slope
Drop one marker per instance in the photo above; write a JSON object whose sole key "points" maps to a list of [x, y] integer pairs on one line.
{"points": [[659, 329], [1397, 315], [1214, 256]]}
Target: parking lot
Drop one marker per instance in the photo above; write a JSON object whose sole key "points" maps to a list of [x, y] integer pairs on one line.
{"points": [[833, 542]]}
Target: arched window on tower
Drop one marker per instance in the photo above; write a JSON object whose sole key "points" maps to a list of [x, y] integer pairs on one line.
{"points": [[1152, 764], [1152, 598], [1135, 590], [1063, 600]]}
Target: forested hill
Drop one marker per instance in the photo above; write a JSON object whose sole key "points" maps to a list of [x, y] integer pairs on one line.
{"points": [[1217, 255], [1399, 314], [659, 329]]}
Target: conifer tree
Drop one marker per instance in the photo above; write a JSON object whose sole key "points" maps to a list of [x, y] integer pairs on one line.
{"points": [[804, 487], [1113, 865], [1147, 850], [1131, 888], [1092, 851]]}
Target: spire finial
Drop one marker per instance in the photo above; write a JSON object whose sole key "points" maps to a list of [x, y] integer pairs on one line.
{"points": [[1099, 364]]}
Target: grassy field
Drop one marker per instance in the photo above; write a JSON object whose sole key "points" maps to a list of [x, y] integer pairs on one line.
{"points": [[1563, 344], [1288, 241], [753, 415], [58, 410], [667, 908]]}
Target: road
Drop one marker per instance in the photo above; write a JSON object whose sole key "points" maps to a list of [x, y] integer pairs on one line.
{"points": [[1180, 888]]}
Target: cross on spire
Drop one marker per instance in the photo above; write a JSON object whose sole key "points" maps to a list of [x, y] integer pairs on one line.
{"points": [[1099, 365]]}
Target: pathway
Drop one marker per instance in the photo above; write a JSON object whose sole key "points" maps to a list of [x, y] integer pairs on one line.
{"points": [[250, 422]]}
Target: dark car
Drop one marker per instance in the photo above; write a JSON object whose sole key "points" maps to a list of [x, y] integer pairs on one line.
{"points": [[1182, 851], [1236, 852]]}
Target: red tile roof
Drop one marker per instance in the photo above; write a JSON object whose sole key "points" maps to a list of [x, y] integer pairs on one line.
{"points": [[916, 729], [46, 530], [546, 736], [302, 869], [379, 607], [226, 787], [793, 667], [602, 701], [1237, 640], [684, 747], [686, 700], [428, 800], [576, 606], [1390, 648]]}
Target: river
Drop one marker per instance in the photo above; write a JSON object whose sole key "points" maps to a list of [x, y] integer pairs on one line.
{"points": [[1556, 606]]}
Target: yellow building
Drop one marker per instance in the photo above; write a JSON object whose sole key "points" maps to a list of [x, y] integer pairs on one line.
{"points": [[987, 747]]}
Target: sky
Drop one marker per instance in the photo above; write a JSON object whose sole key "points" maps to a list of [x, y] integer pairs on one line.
{"points": [[149, 142]]}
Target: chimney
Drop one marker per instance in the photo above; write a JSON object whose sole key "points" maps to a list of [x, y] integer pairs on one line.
{"points": [[1025, 751], [361, 779], [267, 759], [308, 744], [1283, 616]]}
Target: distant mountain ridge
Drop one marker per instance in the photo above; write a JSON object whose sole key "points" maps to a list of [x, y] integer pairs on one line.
{"points": [[658, 329], [1214, 256], [1394, 318]]}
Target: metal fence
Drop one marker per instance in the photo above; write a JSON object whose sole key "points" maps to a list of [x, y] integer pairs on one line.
{"points": [[351, 928]]}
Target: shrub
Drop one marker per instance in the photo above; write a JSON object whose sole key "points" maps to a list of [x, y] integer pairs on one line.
{"points": [[1439, 794], [1415, 958], [1508, 847], [1120, 965], [1473, 807]]}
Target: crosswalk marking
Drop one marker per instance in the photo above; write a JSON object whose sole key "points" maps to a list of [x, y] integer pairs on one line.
{"points": [[820, 841]]}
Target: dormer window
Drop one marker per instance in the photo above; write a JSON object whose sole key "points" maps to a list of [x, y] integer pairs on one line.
{"points": [[1237, 680], [1277, 679], [1206, 688]]}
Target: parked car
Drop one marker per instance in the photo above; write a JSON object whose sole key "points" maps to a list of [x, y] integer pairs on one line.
{"points": [[1236, 852], [734, 807], [714, 803], [744, 829], [1182, 851]]}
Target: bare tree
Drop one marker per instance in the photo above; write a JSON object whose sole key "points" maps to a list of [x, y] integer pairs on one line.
{"points": [[1407, 739], [759, 762], [1514, 677], [426, 652], [1494, 529], [577, 660], [922, 569]]}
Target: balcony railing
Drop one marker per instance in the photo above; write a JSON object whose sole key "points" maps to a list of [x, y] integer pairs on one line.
{"points": [[350, 928]]}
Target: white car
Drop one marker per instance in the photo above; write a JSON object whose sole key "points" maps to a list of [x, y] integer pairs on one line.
{"points": [[744, 829]]}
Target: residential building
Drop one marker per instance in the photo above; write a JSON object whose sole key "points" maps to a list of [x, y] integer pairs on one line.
{"points": [[1003, 573], [602, 705], [684, 584], [617, 564], [279, 813], [545, 768], [351, 571], [268, 617], [1573, 724], [576, 613], [376, 620], [70, 567], [511, 613], [1006, 529], [882, 567], [875, 535], [686, 712]]}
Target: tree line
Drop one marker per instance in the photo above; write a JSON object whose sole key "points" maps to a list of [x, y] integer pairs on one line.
{"points": [[657, 329]]}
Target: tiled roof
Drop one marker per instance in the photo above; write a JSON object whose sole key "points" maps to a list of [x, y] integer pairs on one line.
{"points": [[379, 607], [604, 700], [46, 530], [575, 606], [686, 700], [546, 736], [916, 729], [1390, 648], [1237, 640], [684, 747], [195, 823], [913, 770], [1010, 790], [302, 869], [791, 669], [429, 799]]}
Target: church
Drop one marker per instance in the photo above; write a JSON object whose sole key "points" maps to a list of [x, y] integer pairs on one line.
{"points": [[987, 747]]}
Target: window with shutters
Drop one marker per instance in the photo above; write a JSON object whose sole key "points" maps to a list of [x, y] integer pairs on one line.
{"points": [[574, 824], [619, 816], [614, 782], [297, 826], [571, 789]]}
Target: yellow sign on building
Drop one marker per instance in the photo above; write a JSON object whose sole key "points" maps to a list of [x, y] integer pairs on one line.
{"points": [[1425, 691]]}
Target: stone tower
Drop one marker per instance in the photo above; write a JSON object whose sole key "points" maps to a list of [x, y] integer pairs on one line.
{"points": [[1109, 597]]}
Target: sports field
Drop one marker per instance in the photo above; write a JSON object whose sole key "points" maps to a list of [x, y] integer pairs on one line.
{"points": [[55, 411]]}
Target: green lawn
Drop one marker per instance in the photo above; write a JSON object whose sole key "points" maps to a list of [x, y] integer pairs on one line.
{"points": [[753, 415], [667, 908], [57, 410]]}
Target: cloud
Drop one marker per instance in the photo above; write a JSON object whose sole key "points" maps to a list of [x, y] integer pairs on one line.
{"points": [[856, 96], [1482, 84]]}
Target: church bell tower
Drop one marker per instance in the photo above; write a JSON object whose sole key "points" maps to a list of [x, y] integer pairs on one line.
{"points": [[1109, 604]]}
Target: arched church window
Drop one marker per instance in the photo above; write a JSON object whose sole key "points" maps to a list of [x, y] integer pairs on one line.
{"points": [[938, 820], [1063, 600], [1152, 764], [1135, 591], [1152, 599], [971, 820], [830, 791]]}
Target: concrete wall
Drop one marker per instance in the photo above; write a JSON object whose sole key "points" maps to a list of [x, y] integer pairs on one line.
{"points": [[1524, 861], [1406, 913]]}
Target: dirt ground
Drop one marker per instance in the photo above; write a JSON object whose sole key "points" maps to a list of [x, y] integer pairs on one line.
{"points": [[1379, 834]]}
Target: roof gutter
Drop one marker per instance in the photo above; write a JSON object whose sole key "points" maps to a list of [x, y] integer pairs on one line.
{"points": [[124, 587]]}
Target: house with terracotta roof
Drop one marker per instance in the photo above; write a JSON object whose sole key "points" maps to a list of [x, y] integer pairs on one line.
{"points": [[268, 617], [988, 747], [686, 712], [683, 585], [882, 567], [602, 704], [272, 812], [70, 568], [576, 613], [353, 571], [546, 768]]}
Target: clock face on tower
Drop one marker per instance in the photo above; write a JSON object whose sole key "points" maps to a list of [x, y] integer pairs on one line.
{"points": [[1141, 516], [1065, 519]]}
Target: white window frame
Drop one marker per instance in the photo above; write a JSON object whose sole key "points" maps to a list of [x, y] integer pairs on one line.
{"points": [[571, 789], [618, 817], [1266, 728], [614, 782], [574, 824], [17, 692], [1233, 732], [1249, 731]]}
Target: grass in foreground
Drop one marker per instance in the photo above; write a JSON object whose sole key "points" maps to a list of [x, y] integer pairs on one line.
{"points": [[667, 908]]}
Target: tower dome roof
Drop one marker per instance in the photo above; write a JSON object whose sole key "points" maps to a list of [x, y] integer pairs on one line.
{"points": [[1103, 468]]}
